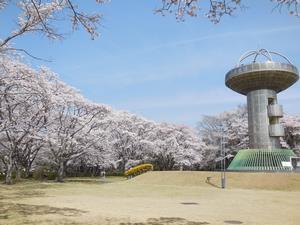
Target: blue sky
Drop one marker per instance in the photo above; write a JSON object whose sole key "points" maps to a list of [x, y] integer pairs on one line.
{"points": [[162, 69]]}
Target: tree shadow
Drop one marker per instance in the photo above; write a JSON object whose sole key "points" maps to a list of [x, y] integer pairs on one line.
{"points": [[167, 220], [26, 185], [233, 222], [24, 189], [7, 209], [26, 221], [17, 195]]}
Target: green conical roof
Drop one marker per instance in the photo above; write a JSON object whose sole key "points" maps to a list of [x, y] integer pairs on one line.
{"points": [[261, 160]]}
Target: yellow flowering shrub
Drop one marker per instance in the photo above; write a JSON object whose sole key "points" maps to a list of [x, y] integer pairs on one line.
{"points": [[138, 169]]}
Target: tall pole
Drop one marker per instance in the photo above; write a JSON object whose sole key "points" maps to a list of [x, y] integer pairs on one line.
{"points": [[223, 166]]}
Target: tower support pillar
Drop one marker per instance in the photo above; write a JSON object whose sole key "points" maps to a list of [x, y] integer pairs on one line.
{"points": [[263, 119]]}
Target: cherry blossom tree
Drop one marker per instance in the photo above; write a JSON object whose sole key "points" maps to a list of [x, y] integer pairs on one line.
{"points": [[45, 121], [126, 137], [135, 140], [214, 10], [292, 133], [174, 146], [231, 126], [72, 130], [99, 156], [24, 107], [43, 16], [39, 112]]}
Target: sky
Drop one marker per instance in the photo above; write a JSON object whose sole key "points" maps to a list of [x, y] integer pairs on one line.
{"points": [[164, 70]]}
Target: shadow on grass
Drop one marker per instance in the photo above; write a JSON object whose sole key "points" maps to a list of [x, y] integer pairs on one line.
{"points": [[9, 209], [26, 184], [18, 194], [91, 181], [213, 185], [95, 180], [167, 220], [48, 222], [233, 222], [26, 189]]}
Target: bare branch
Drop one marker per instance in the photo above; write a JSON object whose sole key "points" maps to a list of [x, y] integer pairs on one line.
{"points": [[26, 52], [89, 22]]}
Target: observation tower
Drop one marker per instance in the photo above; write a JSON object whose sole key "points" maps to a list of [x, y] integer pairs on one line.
{"points": [[260, 81]]}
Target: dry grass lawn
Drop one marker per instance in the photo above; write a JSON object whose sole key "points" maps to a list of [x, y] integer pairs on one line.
{"points": [[156, 198]]}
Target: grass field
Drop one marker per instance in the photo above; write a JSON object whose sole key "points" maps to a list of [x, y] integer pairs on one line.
{"points": [[156, 198]]}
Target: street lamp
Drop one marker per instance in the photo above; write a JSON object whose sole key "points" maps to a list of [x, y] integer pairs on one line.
{"points": [[223, 162], [223, 156], [222, 159], [223, 168]]}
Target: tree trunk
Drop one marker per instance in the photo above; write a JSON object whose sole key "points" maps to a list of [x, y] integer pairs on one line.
{"points": [[9, 169], [27, 172], [123, 165], [60, 174], [18, 172], [27, 169]]}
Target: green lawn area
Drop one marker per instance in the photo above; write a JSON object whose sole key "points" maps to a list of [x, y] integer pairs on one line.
{"points": [[156, 198]]}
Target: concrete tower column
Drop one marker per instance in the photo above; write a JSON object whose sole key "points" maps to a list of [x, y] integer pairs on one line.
{"points": [[263, 119]]}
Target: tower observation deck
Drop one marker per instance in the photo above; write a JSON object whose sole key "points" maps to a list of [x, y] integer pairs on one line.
{"points": [[260, 80]]}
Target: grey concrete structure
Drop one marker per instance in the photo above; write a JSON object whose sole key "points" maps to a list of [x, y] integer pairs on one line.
{"points": [[261, 81]]}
